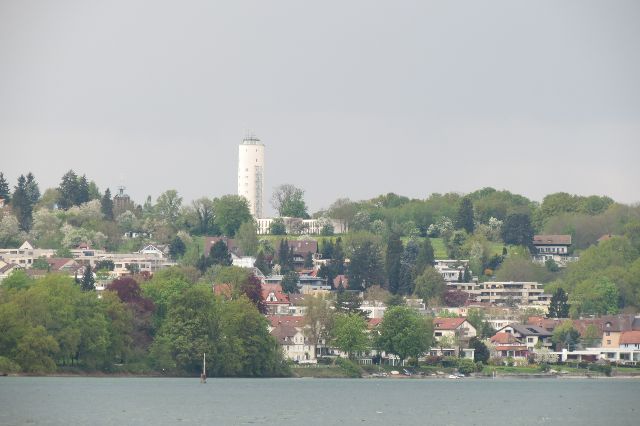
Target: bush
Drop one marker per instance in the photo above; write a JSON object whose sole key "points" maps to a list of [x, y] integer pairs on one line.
{"points": [[496, 361], [433, 360], [601, 368], [450, 361], [466, 366], [350, 368], [510, 361], [7, 366]]}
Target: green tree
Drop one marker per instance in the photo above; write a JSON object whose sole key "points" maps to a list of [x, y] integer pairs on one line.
{"points": [[231, 211], [262, 264], [365, 266], [464, 216], [559, 306], [247, 238], [408, 268], [68, 190], [481, 353], [477, 319], [83, 194], [565, 336], [177, 248], [21, 205], [290, 282], [430, 285], [426, 256], [168, 206], [106, 205], [392, 262], [36, 350], [191, 329], [456, 245], [289, 201], [517, 230], [32, 190], [318, 319], [277, 227], [219, 254], [204, 211], [87, 283], [404, 333], [596, 296], [5, 192], [350, 334]]}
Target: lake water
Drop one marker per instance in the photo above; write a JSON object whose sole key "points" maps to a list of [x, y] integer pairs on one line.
{"points": [[302, 402]]}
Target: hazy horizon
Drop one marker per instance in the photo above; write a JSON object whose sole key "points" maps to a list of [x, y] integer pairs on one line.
{"points": [[351, 100]]}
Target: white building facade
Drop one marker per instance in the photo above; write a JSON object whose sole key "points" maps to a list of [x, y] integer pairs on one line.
{"points": [[251, 174]]}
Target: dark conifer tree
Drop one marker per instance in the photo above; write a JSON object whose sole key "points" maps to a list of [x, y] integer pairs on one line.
{"points": [[5, 192], [408, 268], [88, 282], [106, 205], [83, 195], [177, 248], [22, 207], [32, 189], [261, 263], [68, 190], [219, 254], [464, 217], [426, 257], [392, 262], [559, 306]]}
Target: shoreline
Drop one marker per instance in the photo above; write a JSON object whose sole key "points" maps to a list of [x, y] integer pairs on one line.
{"points": [[364, 377]]}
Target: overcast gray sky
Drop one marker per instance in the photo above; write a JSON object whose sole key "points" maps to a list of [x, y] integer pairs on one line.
{"points": [[351, 98]]}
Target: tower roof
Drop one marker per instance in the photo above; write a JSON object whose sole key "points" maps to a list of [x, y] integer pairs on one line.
{"points": [[251, 139]]}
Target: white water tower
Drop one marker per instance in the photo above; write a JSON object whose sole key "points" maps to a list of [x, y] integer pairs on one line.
{"points": [[251, 173]]}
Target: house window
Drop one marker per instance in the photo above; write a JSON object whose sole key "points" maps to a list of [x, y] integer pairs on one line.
{"points": [[607, 333], [608, 342]]}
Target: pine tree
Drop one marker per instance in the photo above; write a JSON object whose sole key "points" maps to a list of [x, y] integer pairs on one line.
{"points": [[425, 256], [467, 275], [219, 254], [308, 260], [559, 306], [21, 205], [88, 282], [83, 195], [177, 248], [408, 268], [392, 262], [284, 260], [68, 190], [261, 263], [106, 205], [5, 192], [464, 217], [32, 190], [337, 261]]}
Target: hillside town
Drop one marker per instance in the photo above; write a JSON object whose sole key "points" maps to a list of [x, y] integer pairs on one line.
{"points": [[459, 283]]}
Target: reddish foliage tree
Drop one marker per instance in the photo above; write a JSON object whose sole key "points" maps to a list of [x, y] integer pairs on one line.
{"points": [[454, 298], [252, 288], [129, 292]]}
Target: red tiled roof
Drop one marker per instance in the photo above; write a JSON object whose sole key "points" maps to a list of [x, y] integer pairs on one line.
{"points": [[547, 323], [284, 333], [448, 323], [296, 321], [630, 337], [302, 247], [504, 338], [59, 263], [552, 239]]}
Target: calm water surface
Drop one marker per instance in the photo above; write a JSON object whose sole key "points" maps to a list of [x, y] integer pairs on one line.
{"points": [[162, 401]]}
